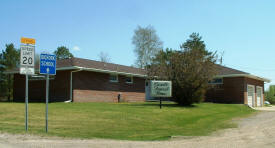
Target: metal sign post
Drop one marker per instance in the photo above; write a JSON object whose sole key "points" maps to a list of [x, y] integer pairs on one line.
{"points": [[26, 103], [27, 50], [48, 67], [47, 100], [160, 103]]}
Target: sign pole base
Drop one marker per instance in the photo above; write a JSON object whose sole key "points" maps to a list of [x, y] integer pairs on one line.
{"points": [[160, 103]]}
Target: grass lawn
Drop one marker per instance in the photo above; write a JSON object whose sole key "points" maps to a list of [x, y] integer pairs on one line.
{"points": [[127, 121]]}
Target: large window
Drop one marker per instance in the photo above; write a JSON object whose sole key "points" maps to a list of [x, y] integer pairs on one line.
{"points": [[113, 78]]}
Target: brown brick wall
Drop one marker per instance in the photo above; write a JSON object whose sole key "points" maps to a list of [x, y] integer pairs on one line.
{"points": [[233, 90], [59, 88], [215, 93], [96, 87], [106, 96]]}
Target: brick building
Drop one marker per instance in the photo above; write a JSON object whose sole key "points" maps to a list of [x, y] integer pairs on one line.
{"points": [[82, 80], [234, 86]]}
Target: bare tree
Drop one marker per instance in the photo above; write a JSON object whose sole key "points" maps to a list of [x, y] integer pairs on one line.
{"points": [[104, 57], [147, 45]]}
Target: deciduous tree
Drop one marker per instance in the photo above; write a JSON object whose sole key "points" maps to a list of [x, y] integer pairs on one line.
{"points": [[63, 52], [104, 57], [189, 69], [147, 45], [270, 94]]}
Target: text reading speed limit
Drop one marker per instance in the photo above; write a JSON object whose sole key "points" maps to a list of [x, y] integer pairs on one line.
{"points": [[27, 55]]}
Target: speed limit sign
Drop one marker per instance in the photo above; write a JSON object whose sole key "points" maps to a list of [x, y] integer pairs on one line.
{"points": [[27, 59]]}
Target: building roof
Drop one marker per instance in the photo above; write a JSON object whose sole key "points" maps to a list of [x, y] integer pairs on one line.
{"points": [[223, 70], [92, 65], [100, 66], [97, 66]]}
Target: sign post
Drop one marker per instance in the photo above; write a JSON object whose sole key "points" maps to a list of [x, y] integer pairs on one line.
{"points": [[26, 103], [161, 89], [27, 50], [48, 67]]}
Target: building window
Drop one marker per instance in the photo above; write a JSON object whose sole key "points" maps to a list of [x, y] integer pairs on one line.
{"points": [[129, 79], [216, 81], [113, 78], [40, 77]]}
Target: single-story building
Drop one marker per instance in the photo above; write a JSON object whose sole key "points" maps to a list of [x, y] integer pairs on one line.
{"points": [[234, 86], [82, 80]]}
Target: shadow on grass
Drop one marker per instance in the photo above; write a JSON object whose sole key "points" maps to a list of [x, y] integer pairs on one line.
{"points": [[164, 104]]}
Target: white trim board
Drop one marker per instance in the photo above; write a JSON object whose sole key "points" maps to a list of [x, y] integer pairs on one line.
{"points": [[245, 75], [89, 69]]}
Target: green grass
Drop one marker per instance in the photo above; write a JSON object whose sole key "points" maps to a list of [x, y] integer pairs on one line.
{"points": [[126, 121]]}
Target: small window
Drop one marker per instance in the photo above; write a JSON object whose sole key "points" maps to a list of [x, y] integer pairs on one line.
{"points": [[113, 78], [216, 81], [129, 79], [40, 77]]}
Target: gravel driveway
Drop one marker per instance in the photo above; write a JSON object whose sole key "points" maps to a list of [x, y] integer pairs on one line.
{"points": [[253, 132]]}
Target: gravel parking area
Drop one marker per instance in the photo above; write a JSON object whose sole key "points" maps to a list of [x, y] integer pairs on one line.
{"points": [[253, 132]]}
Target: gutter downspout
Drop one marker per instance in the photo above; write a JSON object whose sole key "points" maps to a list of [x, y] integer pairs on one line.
{"points": [[71, 85]]}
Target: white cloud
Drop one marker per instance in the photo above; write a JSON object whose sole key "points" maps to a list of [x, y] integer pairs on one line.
{"points": [[76, 48]]}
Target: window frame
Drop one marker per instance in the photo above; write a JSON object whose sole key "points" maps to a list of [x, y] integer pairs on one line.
{"points": [[114, 81], [40, 77], [132, 80], [211, 82]]}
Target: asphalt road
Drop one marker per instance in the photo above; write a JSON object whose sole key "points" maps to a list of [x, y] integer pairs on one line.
{"points": [[257, 131]]}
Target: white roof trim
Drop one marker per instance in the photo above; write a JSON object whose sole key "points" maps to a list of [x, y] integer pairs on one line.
{"points": [[37, 70], [89, 69], [245, 75], [110, 71], [140, 75]]}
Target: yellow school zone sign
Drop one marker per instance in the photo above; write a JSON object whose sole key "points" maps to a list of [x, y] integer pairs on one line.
{"points": [[28, 41]]}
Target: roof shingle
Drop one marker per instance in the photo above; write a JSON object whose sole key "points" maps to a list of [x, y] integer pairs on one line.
{"points": [[222, 70], [85, 63]]}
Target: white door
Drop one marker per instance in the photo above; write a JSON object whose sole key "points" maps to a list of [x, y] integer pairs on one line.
{"points": [[259, 96], [250, 95]]}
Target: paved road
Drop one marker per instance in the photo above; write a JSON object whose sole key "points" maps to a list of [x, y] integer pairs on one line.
{"points": [[254, 132]]}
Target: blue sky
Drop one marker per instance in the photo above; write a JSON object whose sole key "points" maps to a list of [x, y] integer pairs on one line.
{"points": [[244, 30]]}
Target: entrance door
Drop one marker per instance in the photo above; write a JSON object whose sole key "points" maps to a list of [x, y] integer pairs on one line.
{"points": [[259, 96], [250, 95], [147, 90]]}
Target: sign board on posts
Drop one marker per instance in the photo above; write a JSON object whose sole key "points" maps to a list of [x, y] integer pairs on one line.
{"points": [[27, 53], [47, 64], [161, 89], [27, 50]]}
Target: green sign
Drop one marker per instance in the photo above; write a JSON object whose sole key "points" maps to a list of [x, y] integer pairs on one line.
{"points": [[161, 89]]}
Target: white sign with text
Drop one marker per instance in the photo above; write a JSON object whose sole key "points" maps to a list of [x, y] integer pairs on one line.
{"points": [[161, 89], [27, 53]]}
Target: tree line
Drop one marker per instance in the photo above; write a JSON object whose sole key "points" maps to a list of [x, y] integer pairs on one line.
{"points": [[270, 94]]}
